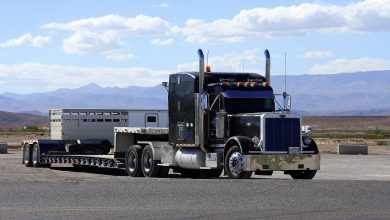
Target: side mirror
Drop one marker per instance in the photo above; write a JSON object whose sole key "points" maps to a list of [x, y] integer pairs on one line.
{"points": [[286, 101], [203, 101], [165, 85]]}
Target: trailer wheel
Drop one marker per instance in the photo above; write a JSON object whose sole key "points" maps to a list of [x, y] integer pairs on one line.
{"points": [[133, 165], [149, 166], [27, 160], [234, 164], [303, 174], [35, 156]]}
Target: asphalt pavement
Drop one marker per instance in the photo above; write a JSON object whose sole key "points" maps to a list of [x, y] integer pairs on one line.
{"points": [[346, 187]]}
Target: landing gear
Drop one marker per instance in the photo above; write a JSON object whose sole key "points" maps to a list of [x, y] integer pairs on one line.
{"points": [[234, 164]]}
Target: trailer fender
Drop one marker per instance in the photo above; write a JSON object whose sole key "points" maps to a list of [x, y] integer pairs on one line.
{"points": [[244, 143]]}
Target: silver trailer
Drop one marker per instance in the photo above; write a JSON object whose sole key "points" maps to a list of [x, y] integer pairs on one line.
{"points": [[74, 124]]}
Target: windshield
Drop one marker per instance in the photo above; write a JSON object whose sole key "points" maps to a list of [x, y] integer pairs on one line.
{"points": [[249, 105]]}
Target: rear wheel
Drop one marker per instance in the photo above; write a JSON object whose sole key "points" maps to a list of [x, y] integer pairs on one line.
{"points": [[303, 174], [234, 164], [35, 156], [27, 157], [149, 166], [133, 165]]}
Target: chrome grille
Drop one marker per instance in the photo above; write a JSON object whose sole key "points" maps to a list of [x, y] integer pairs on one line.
{"points": [[282, 133]]}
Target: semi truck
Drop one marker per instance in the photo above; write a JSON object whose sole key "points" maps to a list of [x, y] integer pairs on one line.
{"points": [[217, 121]]}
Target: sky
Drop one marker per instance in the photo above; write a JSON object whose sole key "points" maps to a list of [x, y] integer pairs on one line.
{"points": [[46, 45]]}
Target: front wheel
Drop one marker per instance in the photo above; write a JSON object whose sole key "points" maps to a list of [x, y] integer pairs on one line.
{"points": [[234, 164], [303, 174]]}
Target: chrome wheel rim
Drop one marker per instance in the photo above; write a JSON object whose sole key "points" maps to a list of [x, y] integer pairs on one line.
{"points": [[35, 155], [131, 161], [236, 163], [25, 154], [147, 158]]}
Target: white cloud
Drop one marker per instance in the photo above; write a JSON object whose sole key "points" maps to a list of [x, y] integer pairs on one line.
{"points": [[84, 42], [120, 57], [295, 20], [106, 33], [230, 62], [43, 77], [354, 65], [317, 54], [162, 5], [27, 39], [160, 42], [116, 25]]}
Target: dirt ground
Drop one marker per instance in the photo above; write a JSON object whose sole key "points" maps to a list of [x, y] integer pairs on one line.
{"points": [[353, 123]]}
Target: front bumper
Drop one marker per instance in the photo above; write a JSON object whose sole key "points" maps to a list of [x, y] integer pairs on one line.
{"points": [[282, 162]]}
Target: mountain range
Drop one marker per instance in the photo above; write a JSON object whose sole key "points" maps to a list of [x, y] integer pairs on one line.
{"points": [[360, 93]]}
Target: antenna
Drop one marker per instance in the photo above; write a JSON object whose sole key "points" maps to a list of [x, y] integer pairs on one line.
{"points": [[286, 96], [285, 71]]}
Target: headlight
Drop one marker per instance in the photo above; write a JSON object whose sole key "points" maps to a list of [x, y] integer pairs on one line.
{"points": [[256, 140], [307, 141]]}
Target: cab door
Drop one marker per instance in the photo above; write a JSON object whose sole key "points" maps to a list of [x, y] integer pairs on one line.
{"points": [[151, 120]]}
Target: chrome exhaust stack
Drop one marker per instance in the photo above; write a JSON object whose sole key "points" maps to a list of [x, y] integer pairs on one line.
{"points": [[201, 105], [201, 70], [267, 67]]}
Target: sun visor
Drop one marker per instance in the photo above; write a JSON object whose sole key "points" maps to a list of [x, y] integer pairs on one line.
{"points": [[235, 94]]}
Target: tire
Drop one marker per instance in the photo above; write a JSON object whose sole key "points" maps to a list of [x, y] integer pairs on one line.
{"points": [[234, 164], [133, 161], [149, 166], [303, 174], [35, 154], [27, 157]]}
